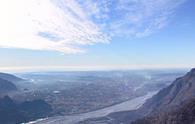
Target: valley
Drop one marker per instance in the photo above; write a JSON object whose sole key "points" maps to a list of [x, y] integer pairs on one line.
{"points": [[74, 97]]}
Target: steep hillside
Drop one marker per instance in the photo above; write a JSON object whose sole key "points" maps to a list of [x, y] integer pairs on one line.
{"points": [[182, 115], [6, 86], [180, 91], [9, 77], [172, 105], [15, 113]]}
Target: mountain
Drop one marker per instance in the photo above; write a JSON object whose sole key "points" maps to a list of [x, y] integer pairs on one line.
{"points": [[180, 91], [6, 86], [183, 115], [9, 77], [172, 105], [15, 113]]}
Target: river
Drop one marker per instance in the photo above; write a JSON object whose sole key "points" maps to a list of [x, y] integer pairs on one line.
{"points": [[132, 104]]}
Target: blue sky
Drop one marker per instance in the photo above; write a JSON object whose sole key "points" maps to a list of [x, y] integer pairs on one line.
{"points": [[109, 34]]}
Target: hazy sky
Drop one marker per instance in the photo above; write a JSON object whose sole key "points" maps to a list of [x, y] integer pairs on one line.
{"points": [[96, 34]]}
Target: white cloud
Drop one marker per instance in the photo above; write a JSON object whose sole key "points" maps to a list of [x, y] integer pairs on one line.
{"points": [[43, 25], [66, 25]]}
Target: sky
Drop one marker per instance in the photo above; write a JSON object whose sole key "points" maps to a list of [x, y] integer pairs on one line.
{"points": [[96, 34]]}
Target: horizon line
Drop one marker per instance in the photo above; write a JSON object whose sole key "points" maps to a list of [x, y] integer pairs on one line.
{"points": [[18, 69]]}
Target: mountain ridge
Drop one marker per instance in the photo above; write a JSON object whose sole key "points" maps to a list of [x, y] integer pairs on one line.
{"points": [[10, 77]]}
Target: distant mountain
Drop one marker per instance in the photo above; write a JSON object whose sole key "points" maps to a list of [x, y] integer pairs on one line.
{"points": [[10, 77], [6, 86], [172, 105], [16, 113]]}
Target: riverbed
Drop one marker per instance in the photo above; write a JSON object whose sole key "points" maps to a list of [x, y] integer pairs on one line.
{"points": [[132, 104]]}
